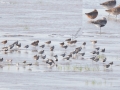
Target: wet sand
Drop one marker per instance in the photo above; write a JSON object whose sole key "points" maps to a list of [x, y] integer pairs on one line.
{"points": [[67, 75]]}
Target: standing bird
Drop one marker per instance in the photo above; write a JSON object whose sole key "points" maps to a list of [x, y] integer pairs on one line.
{"points": [[92, 14], [103, 50], [42, 46], [1, 59], [41, 52], [94, 42], [63, 55], [104, 60], [27, 46], [114, 11], [100, 23], [62, 43], [84, 43], [109, 4], [107, 66], [36, 57], [48, 42], [4, 42]]}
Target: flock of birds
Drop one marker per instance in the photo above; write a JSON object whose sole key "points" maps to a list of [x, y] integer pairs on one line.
{"points": [[111, 9], [74, 54]]}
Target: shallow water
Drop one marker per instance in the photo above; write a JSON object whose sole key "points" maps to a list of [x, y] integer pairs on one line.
{"points": [[56, 21]]}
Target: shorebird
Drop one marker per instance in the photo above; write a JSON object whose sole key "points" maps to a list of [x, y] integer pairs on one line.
{"points": [[72, 42], [1, 59], [48, 42], [24, 62], [97, 48], [50, 62], [18, 45], [104, 60], [43, 57], [67, 58], [109, 4], [84, 43], [111, 63], [62, 43], [65, 46], [114, 11], [103, 50], [41, 52], [100, 23], [36, 57], [63, 55], [56, 56], [82, 54], [42, 46], [69, 39], [11, 46], [26, 46], [92, 14], [107, 66], [4, 42], [94, 42], [16, 42], [52, 48]]}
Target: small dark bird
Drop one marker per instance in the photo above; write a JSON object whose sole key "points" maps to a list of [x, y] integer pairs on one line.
{"points": [[65, 46], [97, 53], [70, 55], [43, 57], [27, 46], [50, 62], [104, 60], [11, 46], [1, 59], [42, 46], [84, 43], [19, 45], [24, 62], [56, 56], [4, 42], [63, 55], [36, 57], [82, 54], [56, 59], [93, 52], [30, 64], [93, 57], [41, 52], [111, 63], [96, 59], [67, 58], [73, 42], [69, 39], [52, 48], [48, 42], [103, 50], [16, 42], [62, 43], [97, 48], [107, 66]]}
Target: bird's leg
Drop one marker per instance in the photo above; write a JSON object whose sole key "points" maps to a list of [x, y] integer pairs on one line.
{"points": [[100, 30], [116, 17]]}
